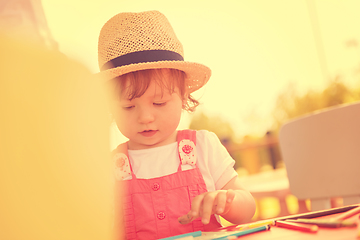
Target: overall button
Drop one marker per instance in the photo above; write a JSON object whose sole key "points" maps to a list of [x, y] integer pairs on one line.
{"points": [[156, 186], [161, 215]]}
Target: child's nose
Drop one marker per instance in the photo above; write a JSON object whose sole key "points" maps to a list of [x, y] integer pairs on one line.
{"points": [[145, 116]]}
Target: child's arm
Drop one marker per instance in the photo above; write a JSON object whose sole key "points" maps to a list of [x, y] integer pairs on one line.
{"points": [[232, 202]]}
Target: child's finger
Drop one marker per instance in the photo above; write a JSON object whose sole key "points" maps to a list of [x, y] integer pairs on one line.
{"points": [[230, 195], [194, 211], [207, 207], [196, 205], [185, 219], [220, 203]]}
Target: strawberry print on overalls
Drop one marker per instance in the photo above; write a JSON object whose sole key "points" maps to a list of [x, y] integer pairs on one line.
{"points": [[187, 152], [151, 207], [122, 166]]}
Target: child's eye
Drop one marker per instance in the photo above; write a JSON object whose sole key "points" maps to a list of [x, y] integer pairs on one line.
{"points": [[128, 107], [159, 103]]}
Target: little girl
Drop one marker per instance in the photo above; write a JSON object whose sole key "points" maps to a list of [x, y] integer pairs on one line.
{"points": [[169, 182]]}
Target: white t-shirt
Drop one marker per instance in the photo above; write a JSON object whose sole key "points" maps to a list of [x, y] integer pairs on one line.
{"points": [[213, 160]]}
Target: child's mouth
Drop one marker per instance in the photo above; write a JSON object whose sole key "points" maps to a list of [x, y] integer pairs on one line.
{"points": [[148, 133]]}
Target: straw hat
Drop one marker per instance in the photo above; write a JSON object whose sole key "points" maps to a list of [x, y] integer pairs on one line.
{"points": [[130, 42]]}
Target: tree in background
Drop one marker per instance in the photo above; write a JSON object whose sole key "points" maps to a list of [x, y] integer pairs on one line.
{"points": [[290, 104], [216, 124], [253, 153]]}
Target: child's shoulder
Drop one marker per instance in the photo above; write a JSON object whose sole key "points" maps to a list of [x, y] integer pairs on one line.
{"points": [[199, 133], [121, 148], [203, 136]]}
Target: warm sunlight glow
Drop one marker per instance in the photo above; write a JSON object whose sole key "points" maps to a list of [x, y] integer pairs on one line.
{"points": [[254, 48]]}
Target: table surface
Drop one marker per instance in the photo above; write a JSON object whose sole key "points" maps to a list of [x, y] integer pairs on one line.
{"points": [[282, 233]]}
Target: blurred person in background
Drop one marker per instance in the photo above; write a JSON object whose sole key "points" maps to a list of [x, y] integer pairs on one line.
{"points": [[55, 174]]}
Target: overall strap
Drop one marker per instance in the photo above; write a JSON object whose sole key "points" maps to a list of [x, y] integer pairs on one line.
{"points": [[187, 147], [121, 161]]}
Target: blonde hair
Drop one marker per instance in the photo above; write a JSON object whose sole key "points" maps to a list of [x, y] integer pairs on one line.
{"points": [[135, 84]]}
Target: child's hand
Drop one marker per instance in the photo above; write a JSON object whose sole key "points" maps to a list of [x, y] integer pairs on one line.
{"points": [[206, 204]]}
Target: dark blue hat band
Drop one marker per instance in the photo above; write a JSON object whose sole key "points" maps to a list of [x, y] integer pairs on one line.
{"points": [[142, 57]]}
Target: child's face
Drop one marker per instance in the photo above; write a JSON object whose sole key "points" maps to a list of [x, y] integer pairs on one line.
{"points": [[151, 119]]}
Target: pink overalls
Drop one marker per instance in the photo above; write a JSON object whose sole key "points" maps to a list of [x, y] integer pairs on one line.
{"points": [[152, 206]]}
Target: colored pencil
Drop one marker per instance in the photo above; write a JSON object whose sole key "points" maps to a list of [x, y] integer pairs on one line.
{"points": [[256, 224], [243, 232], [247, 226], [193, 234], [347, 214], [297, 226], [186, 238], [319, 213], [328, 223]]}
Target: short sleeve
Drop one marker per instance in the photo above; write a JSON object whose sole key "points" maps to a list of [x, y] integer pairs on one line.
{"points": [[215, 159]]}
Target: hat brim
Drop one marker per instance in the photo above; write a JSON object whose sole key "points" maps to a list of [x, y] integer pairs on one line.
{"points": [[197, 74]]}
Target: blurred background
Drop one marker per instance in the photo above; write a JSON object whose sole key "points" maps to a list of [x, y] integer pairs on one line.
{"points": [[271, 60]]}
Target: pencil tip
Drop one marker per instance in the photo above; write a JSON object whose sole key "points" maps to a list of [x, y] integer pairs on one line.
{"points": [[314, 228]]}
